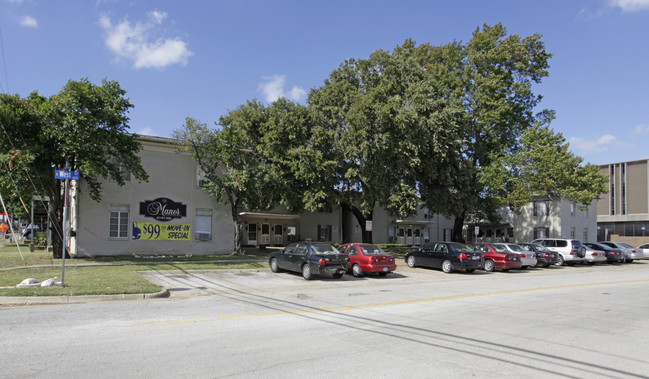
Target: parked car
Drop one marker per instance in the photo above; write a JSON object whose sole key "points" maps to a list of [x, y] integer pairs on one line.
{"points": [[27, 230], [630, 253], [570, 251], [448, 256], [593, 255], [368, 258], [309, 258], [612, 254], [496, 260], [528, 258], [645, 250], [544, 256]]}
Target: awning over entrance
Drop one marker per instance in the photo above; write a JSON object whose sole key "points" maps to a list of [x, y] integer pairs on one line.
{"points": [[270, 215], [412, 222]]}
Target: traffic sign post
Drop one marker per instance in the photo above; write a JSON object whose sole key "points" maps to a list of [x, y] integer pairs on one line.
{"points": [[66, 175]]}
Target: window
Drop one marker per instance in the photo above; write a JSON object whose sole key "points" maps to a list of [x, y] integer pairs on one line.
{"points": [[573, 232], [118, 221], [572, 209], [324, 233], [203, 225], [585, 236], [125, 174], [623, 189], [447, 234], [540, 208], [612, 191], [541, 232], [201, 180]]}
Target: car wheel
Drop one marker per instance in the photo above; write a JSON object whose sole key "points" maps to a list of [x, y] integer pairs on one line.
{"points": [[629, 260], [411, 261], [489, 265], [447, 266], [560, 262], [274, 267], [306, 272], [337, 276], [383, 273], [356, 271], [470, 270], [581, 252]]}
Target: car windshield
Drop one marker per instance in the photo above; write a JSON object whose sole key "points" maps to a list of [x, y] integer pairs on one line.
{"points": [[625, 245], [540, 247], [324, 249], [525, 247], [479, 248], [576, 244], [499, 248], [372, 250]]}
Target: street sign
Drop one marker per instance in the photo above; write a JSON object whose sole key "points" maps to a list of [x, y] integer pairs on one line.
{"points": [[69, 175]]}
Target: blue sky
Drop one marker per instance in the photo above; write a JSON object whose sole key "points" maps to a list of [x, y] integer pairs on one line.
{"points": [[203, 58]]}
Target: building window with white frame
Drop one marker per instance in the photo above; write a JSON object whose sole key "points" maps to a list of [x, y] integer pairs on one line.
{"points": [[125, 174], [573, 208], [201, 180], [573, 232], [203, 225], [540, 208], [118, 225], [586, 235]]}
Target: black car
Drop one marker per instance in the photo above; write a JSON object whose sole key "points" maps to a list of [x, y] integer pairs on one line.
{"points": [[544, 256], [448, 256], [612, 255], [309, 258]]}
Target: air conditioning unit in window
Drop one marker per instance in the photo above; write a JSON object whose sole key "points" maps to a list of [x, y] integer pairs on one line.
{"points": [[203, 236]]}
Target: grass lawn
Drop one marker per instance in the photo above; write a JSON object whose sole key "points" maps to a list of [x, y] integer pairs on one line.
{"points": [[109, 276]]}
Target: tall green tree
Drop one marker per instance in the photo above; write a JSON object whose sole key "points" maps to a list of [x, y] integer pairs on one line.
{"points": [[385, 121], [84, 126], [542, 166], [492, 75]]}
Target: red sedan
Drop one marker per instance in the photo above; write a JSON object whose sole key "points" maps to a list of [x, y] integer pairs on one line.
{"points": [[366, 258], [495, 260]]}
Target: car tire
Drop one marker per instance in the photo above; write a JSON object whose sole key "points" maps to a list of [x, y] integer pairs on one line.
{"points": [[274, 267], [357, 271], [337, 276], [306, 272], [581, 252], [447, 266], [411, 261], [383, 273], [560, 261], [489, 265], [628, 260], [469, 270]]}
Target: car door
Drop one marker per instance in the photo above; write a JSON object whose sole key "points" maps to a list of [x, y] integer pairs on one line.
{"points": [[298, 257], [284, 259], [424, 255], [439, 254]]}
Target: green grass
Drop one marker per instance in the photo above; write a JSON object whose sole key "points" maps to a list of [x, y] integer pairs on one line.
{"points": [[108, 275]]}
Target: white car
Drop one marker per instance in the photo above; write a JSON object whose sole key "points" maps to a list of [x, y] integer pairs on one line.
{"points": [[630, 252], [570, 251], [645, 250], [594, 255], [528, 257]]}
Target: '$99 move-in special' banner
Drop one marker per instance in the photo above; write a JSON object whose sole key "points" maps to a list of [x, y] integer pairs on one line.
{"points": [[161, 232]]}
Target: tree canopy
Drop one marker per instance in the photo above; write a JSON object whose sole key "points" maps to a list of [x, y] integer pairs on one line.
{"points": [[84, 125]]}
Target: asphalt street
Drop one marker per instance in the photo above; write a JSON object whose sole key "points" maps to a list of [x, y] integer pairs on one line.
{"points": [[585, 321]]}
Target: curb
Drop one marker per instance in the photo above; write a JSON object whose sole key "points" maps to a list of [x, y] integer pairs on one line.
{"points": [[42, 300]]}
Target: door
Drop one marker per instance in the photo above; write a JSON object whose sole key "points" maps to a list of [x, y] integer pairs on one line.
{"points": [[401, 239], [252, 234], [298, 256], [265, 234], [278, 235], [417, 237], [439, 254], [409, 238]]}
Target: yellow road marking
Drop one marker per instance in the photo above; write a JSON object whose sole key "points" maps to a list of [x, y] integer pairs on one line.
{"points": [[385, 303]]}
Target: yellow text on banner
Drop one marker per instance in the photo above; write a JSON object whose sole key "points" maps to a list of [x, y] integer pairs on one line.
{"points": [[161, 232]]}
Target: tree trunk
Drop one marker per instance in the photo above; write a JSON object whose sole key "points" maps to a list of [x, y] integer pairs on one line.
{"points": [[238, 232], [362, 221], [458, 227]]}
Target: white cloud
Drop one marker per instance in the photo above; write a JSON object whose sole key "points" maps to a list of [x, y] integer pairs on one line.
{"points": [[273, 89], [147, 131], [641, 129], [630, 5], [29, 22], [136, 42], [604, 143]]}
